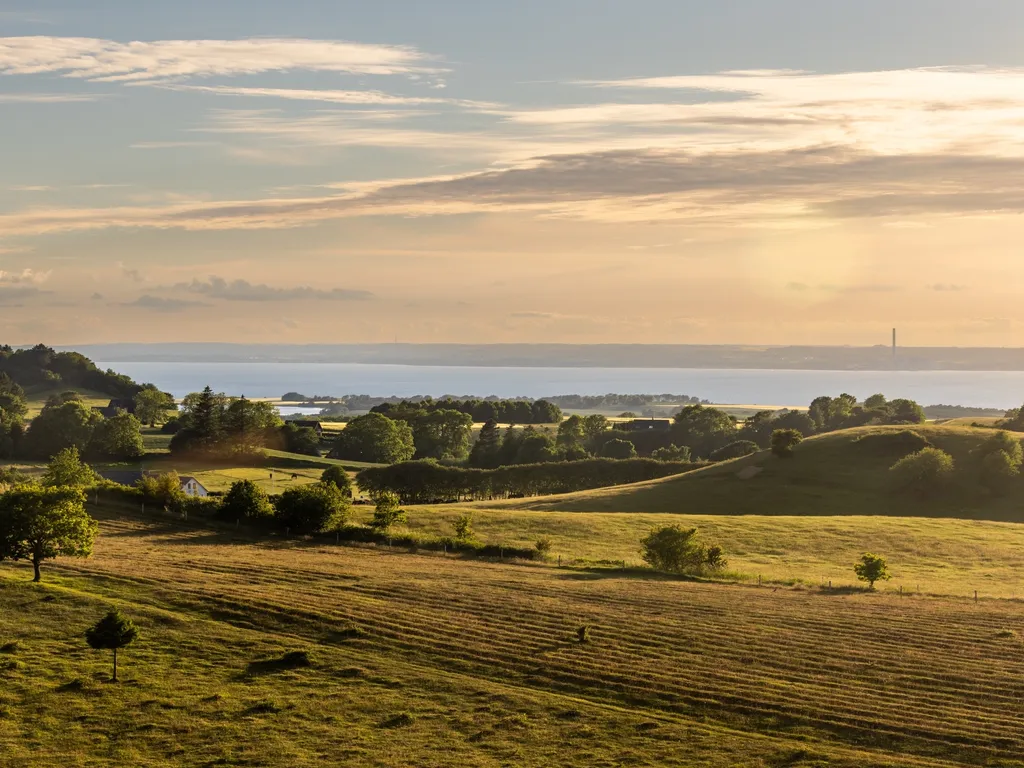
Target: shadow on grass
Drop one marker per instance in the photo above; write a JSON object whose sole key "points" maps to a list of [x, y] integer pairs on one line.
{"points": [[287, 662]]}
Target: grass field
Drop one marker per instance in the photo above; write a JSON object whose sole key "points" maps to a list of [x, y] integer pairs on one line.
{"points": [[426, 660], [37, 399], [831, 474]]}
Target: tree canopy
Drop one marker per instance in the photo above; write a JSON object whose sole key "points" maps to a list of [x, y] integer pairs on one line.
{"points": [[374, 438], [39, 524]]}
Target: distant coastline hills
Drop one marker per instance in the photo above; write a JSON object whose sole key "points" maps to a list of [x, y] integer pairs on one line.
{"points": [[876, 358]]}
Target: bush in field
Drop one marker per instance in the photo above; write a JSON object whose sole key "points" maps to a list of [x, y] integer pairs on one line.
{"points": [[463, 527], [388, 512], [675, 549], [246, 501], [734, 450], [923, 472], [783, 442], [1005, 442], [618, 449], [312, 508], [998, 469], [872, 568], [339, 478], [544, 546]]}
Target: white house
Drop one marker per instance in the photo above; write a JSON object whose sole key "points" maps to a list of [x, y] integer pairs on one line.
{"points": [[192, 487]]}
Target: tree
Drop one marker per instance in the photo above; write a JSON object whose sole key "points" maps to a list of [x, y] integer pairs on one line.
{"points": [[246, 501], [303, 440], [571, 432], [872, 568], [1005, 442], [111, 633], [784, 441], [57, 427], [388, 512], [374, 438], [338, 477], [902, 411], [593, 426], [164, 488], [875, 402], [676, 549], [535, 447], [39, 524], [618, 449], [202, 422], [247, 425], [67, 469], [312, 508], [12, 398], [443, 434], [486, 449], [923, 472], [152, 406], [703, 429], [118, 438]]}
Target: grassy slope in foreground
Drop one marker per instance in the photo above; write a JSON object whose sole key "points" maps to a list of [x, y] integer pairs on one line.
{"points": [[832, 474], [424, 660]]}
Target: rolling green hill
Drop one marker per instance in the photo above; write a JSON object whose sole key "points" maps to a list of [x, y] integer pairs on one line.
{"points": [[841, 473]]}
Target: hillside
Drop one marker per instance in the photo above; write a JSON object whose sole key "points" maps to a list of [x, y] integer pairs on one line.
{"points": [[840, 473], [431, 661]]}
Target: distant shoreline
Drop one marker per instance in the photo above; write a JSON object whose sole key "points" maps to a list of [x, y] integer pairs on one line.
{"points": [[652, 356]]}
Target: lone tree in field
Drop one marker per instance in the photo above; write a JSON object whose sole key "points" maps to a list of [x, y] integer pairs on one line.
{"points": [[312, 508], [338, 477], [39, 524], [923, 472], [784, 441], [872, 568], [112, 632], [675, 549], [388, 513], [463, 526]]}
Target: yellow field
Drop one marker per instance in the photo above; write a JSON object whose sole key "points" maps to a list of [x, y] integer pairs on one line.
{"points": [[434, 661]]}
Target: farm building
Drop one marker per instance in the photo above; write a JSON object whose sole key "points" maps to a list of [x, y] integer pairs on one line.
{"points": [[646, 425]]}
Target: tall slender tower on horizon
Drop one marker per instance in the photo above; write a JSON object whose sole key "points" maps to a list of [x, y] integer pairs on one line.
{"points": [[894, 347]]}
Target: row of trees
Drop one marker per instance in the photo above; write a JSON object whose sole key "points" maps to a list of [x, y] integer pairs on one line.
{"points": [[929, 471], [502, 411], [422, 482], [42, 366]]}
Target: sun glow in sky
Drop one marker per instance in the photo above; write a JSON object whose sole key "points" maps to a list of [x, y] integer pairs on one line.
{"points": [[539, 171]]}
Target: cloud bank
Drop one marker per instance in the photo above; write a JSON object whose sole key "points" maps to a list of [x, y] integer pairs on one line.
{"points": [[242, 290]]}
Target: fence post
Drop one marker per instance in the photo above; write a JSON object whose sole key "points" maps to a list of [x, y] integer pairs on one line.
{"points": [[759, 579], [975, 595], [830, 583], [901, 590], [559, 561]]}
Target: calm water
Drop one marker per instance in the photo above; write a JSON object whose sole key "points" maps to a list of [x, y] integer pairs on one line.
{"points": [[990, 389]]}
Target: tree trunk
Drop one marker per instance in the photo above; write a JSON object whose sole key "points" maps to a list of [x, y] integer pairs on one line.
{"points": [[114, 678], [35, 568]]}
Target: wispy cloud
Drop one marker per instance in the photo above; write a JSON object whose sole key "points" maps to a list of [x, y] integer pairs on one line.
{"points": [[46, 98], [162, 304], [24, 277], [14, 295], [101, 60], [242, 290], [331, 96]]}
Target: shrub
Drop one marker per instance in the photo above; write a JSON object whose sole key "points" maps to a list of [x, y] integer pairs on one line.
{"points": [[544, 546], [1006, 443], [672, 452], [618, 449], [67, 469], [246, 501], [162, 489], [388, 512], [463, 527], [893, 443], [583, 633], [872, 568], [675, 549], [311, 508], [172, 426], [783, 442], [923, 472], [734, 450]]}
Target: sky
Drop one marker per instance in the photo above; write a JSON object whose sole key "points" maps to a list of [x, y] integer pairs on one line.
{"points": [[584, 171]]}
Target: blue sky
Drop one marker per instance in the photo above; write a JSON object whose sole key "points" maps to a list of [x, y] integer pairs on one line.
{"points": [[651, 171]]}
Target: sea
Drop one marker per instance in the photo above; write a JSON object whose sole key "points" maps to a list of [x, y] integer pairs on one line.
{"points": [[983, 389]]}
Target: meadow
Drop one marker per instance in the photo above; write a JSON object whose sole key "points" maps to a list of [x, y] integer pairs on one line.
{"points": [[430, 660]]}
